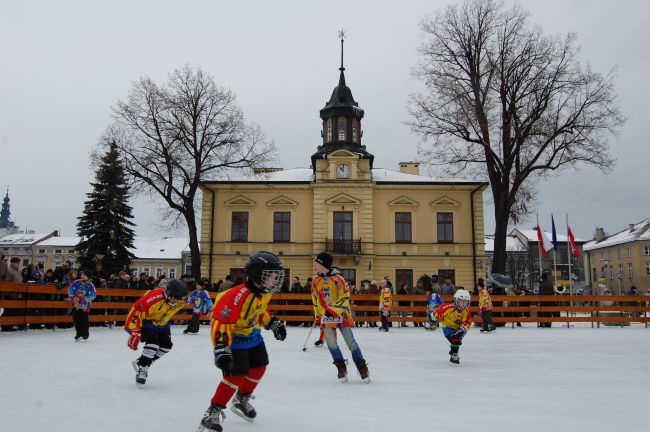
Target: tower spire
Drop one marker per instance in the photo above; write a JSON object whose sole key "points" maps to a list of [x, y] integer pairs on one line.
{"points": [[342, 36]]}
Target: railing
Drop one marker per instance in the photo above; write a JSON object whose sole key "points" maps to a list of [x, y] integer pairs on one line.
{"points": [[35, 304], [343, 247]]}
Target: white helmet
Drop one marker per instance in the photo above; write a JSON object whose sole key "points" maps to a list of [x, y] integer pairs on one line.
{"points": [[462, 294]]}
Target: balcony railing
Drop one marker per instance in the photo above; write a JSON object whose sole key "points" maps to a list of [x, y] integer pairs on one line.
{"points": [[344, 247]]}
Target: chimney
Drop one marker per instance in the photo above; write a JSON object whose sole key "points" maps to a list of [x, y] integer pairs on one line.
{"points": [[631, 227], [600, 234], [409, 168]]}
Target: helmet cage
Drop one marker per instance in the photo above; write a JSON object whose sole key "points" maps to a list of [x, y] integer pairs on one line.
{"points": [[271, 281]]}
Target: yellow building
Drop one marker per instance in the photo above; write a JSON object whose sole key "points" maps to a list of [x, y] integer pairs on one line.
{"points": [[622, 259], [375, 222]]}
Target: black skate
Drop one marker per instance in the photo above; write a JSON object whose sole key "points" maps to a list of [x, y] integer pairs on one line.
{"points": [[362, 367], [212, 419], [318, 343], [343, 371], [242, 407], [140, 372], [454, 359], [77, 338]]}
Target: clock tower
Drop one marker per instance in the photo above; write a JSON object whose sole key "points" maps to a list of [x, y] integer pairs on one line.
{"points": [[341, 156]]}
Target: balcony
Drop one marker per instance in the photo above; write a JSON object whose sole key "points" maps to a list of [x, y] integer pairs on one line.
{"points": [[343, 247]]}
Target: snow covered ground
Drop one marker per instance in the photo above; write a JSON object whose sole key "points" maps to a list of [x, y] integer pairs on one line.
{"points": [[559, 379]]}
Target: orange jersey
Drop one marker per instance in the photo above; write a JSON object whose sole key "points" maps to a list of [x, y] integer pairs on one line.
{"points": [[332, 295], [484, 300], [385, 298], [153, 310], [238, 316], [450, 317]]}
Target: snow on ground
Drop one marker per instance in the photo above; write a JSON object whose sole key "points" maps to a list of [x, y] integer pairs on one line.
{"points": [[559, 379]]}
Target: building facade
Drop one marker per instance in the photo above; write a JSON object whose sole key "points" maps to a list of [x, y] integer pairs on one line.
{"points": [[375, 222], [620, 260], [156, 256], [22, 245]]}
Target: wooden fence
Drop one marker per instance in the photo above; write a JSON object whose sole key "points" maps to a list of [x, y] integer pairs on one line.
{"points": [[47, 304]]}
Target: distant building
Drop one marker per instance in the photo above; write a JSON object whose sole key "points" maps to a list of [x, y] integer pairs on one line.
{"points": [[156, 256], [54, 250], [518, 261], [620, 260], [21, 245], [6, 224]]}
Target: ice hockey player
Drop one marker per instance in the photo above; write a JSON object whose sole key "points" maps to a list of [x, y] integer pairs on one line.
{"points": [[485, 306], [82, 292], [433, 300], [150, 320], [333, 296], [455, 320], [385, 303], [239, 350], [201, 305], [314, 303]]}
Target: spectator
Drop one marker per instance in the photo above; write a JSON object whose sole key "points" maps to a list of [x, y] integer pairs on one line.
{"points": [[82, 293], [403, 290], [201, 305], [141, 282], [389, 284], [61, 271], [545, 288], [216, 285], [3, 269], [485, 306], [385, 304], [13, 274], [227, 284], [296, 286], [448, 288]]}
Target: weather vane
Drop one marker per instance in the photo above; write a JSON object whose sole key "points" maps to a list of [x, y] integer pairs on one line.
{"points": [[342, 36]]}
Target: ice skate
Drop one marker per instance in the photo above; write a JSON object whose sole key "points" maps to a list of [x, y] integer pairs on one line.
{"points": [[362, 367], [212, 419], [318, 343], [242, 407], [342, 371], [140, 373], [77, 338], [454, 359]]}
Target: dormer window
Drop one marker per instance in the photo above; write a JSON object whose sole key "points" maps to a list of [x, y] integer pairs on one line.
{"points": [[355, 131], [342, 128], [328, 130]]}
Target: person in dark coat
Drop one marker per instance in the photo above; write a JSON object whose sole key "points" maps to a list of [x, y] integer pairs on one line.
{"points": [[545, 288]]}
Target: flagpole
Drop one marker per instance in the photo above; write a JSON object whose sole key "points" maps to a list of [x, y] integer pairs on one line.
{"points": [[554, 253], [568, 252], [539, 250]]}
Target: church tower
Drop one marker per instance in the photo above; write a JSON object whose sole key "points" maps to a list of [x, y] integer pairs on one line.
{"points": [[5, 213]]}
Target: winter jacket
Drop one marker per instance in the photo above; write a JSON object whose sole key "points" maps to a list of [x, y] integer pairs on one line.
{"points": [[201, 301], [332, 299], [385, 299], [237, 317], [484, 300], [151, 311], [82, 294]]}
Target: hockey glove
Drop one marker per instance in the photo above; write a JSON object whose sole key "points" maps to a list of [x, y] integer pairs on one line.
{"points": [[223, 357], [278, 329], [134, 339], [431, 318], [459, 334]]}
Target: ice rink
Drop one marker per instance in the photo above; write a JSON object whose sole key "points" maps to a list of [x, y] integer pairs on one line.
{"points": [[530, 379]]}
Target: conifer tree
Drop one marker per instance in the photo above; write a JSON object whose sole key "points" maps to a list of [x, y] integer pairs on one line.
{"points": [[104, 227]]}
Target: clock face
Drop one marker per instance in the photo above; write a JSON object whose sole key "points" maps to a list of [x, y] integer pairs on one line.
{"points": [[343, 171]]}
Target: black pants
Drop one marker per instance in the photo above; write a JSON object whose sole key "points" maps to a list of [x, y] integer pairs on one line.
{"points": [[384, 321], [193, 325], [157, 343], [246, 359], [81, 323], [488, 324]]}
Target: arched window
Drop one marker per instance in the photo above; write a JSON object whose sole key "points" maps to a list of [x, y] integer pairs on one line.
{"points": [[342, 128], [328, 130], [355, 131]]}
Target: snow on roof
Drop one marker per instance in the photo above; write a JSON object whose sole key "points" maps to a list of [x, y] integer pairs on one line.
{"points": [[22, 238], [160, 247], [531, 235], [641, 232], [60, 241], [306, 175], [513, 244]]}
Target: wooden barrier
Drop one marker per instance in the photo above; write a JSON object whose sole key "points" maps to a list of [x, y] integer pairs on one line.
{"points": [[47, 304]]}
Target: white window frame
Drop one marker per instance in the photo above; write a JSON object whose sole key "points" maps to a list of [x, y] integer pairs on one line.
{"points": [[630, 269], [620, 270], [58, 251], [629, 252], [646, 250], [159, 271], [172, 273], [619, 253], [146, 270], [647, 268]]}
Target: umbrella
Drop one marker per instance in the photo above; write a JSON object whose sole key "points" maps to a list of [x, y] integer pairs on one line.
{"points": [[500, 280]]}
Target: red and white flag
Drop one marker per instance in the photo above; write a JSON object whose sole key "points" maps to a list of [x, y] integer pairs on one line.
{"points": [[572, 240], [544, 242]]}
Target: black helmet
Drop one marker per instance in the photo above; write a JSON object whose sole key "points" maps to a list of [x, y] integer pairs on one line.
{"points": [[175, 289], [263, 266]]}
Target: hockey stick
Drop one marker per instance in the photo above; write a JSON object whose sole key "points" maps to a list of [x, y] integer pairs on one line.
{"points": [[304, 348]]}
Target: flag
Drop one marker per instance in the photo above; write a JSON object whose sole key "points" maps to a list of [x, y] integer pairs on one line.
{"points": [[544, 241], [572, 240], [554, 240]]}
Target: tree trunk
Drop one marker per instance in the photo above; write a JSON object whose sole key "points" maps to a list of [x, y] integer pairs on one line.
{"points": [[501, 217], [195, 253]]}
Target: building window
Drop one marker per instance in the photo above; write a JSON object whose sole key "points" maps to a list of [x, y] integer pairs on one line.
{"points": [[172, 272], [71, 251], [619, 253], [647, 268], [620, 270], [281, 227], [630, 270], [593, 258], [134, 271], [609, 254], [58, 251], [57, 263], [629, 252], [403, 276], [239, 226], [237, 275], [146, 271], [355, 131], [342, 226], [403, 227], [445, 227], [611, 272], [646, 250], [159, 271], [350, 276], [342, 126], [41, 251], [328, 130], [446, 273]]}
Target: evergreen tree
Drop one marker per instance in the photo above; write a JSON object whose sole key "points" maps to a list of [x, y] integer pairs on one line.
{"points": [[104, 227]]}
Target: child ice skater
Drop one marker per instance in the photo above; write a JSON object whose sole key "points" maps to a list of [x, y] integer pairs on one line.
{"points": [[454, 318]]}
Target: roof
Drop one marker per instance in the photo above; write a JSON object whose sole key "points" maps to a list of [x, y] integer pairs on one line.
{"points": [[22, 238], [60, 241], [513, 244], [306, 175], [531, 235], [160, 247], [641, 232]]}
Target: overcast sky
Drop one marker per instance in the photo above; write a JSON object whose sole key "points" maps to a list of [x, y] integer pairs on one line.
{"points": [[66, 63]]}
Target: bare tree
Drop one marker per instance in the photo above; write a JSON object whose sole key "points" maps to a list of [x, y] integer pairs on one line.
{"points": [[175, 135], [506, 102]]}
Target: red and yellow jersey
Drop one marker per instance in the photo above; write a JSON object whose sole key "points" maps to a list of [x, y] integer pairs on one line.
{"points": [[237, 317], [314, 300], [331, 294], [385, 298], [151, 310], [484, 300], [450, 317]]}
